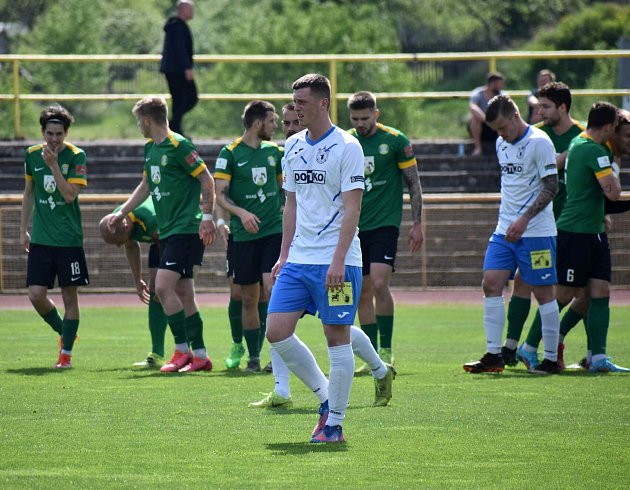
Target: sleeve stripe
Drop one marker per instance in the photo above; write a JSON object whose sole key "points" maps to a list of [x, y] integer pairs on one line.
{"points": [[604, 173], [198, 170], [222, 176], [28, 177], [407, 164], [78, 181]]}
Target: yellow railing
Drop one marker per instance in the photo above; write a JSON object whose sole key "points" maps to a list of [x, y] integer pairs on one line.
{"points": [[333, 60]]}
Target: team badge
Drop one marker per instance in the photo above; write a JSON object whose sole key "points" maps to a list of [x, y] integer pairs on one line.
{"points": [[156, 176], [192, 157], [383, 149], [50, 185], [368, 163], [164, 161], [259, 175], [541, 259], [221, 163], [322, 155], [341, 296], [271, 161], [64, 168]]}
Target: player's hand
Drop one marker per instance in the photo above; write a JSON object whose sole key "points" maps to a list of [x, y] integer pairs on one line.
{"points": [[143, 292], [515, 230], [416, 238], [608, 224], [275, 270], [189, 74], [113, 219], [49, 155], [336, 275], [26, 241], [224, 231], [250, 221], [207, 232], [561, 159]]}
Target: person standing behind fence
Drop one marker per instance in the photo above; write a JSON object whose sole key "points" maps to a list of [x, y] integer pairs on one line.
{"points": [[177, 63], [483, 135], [55, 173]]}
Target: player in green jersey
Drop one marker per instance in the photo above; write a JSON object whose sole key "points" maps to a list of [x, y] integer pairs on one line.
{"points": [[141, 226], [554, 104], [583, 251], [389, 161], [248, 176], [175, 176], [55, 172]]}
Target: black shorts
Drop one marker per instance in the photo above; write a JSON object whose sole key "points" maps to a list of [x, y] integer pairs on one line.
{"points": [[154, 256], [229, 256], [379, 246], [582, 256], [253, 258], [67, 264], [181, 253]]}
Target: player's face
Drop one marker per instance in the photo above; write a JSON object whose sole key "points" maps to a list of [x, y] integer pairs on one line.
{"points": [[54, 135], [269, 126], [144, 124], [621, 139], [308, 107], [543, 80], [507, 127], [364, 121], [548, 112], [290, 123]]}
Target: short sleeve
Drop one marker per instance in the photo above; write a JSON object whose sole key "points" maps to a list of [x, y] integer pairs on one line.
{"points": [[405, 156], [77, 172], [546, 157], [190, 159], [224, 165], [352, 167]]}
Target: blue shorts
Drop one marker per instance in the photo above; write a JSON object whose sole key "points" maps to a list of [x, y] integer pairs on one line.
{"points": [[535, 257], [302, 287]]}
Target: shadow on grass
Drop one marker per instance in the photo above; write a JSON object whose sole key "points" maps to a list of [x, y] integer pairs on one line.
{"points": [[35, 371], [298, 448]]}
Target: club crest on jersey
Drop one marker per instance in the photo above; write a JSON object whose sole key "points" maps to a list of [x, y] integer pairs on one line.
{"points": [[192, 157], [383, 149], [521, 151], [271, 161], [65, 167], [259, 175], [322, 155], [156, 176], [164, 161], [368, 165], [50, 185]]}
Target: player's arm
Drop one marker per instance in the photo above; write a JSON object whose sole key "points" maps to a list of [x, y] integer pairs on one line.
{"points": [[26, 212], [207, 229], [250, 220], [68, 191], [412, 180], [610, 185], [222, 226], [138, 196], [335, 276], [132, 250], [289, 215], [544, 197]]}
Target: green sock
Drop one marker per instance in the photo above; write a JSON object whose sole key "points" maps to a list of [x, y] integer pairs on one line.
{"points": [[598, 320], [69, 333], [371, 330], [157, 325], [177, 322], [235, 314], [194, 330], [588, 339], [570, 319], [535, 331], [253, 346], [262, 314], [518, 309], [385, 330], [54, 320]]}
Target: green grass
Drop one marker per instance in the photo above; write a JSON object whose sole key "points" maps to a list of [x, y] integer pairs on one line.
{"points": [[105, 425]]}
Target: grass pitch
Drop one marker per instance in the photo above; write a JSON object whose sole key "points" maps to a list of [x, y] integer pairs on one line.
{"points": [[103, 424]]}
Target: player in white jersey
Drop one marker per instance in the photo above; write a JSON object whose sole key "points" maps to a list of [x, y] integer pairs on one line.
{"points": [[319, 268], [525, 236]]}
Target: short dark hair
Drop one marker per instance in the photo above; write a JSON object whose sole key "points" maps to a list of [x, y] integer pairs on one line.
{"points": [[362, 100], [601, 113], [288, 107], [494, 75], [152, 107], [56, 114], [556, 92], [319, 85], [500, 105], [256, 110]]}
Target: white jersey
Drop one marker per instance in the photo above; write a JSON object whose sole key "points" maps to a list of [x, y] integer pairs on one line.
{"points": [[523, 164], [318, 172]]}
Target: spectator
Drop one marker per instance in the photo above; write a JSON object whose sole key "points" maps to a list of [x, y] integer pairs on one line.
{"points": [[543, 78], [177, 63], [484, 137]]}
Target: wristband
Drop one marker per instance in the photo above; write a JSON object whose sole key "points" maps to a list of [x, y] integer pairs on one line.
{"points": [[206, 217], [220, 222]]}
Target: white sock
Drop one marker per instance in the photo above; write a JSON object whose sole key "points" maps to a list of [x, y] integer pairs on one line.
{"points": [[561, 339], [200, 353], [550, 318], [598, 357], [66, 352], [363, 348], [281, 374], [529, 348], [340, 379], [493, 322], [510, 343], [182, 347], [299, 359]]}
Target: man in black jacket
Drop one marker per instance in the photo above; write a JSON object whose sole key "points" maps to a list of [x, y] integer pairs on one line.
{"points": [[177, 63]]}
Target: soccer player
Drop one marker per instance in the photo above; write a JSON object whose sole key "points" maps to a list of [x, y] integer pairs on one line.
{"points": [[141, 226], [554, 103], [175, 176], [389, 160], [248, 177], [319, 267], [583, 251], [55, 172], [525, 233]]}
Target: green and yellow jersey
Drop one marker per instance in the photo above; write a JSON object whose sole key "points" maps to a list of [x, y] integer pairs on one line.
{"points": [[145, 224], [587, 161], [171, 168], [55, 222], [386, 154], [255, 176]]}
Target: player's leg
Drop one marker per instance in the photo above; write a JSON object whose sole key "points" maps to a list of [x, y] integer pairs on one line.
{"points": [[251, 324], [383, 373], [367, 314], [518, 310], [40, 277], [235, 311], [380, 276]]}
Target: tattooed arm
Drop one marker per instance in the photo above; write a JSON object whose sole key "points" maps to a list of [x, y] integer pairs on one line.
{"points": [[549, 190], [412, 180]]}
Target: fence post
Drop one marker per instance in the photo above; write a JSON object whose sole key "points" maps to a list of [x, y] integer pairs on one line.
{"points": [[492, 65], [333, 91], [16, 99]]}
